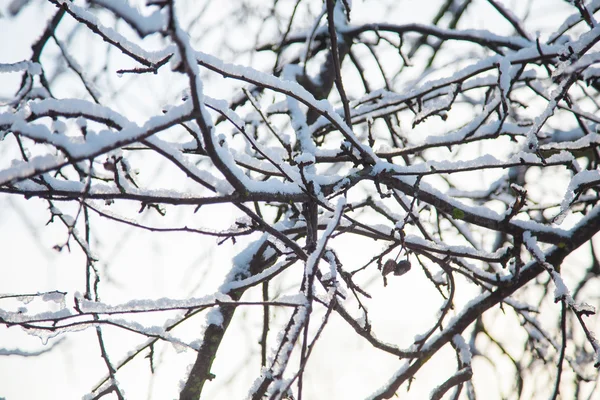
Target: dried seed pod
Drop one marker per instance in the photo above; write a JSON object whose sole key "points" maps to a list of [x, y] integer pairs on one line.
{"points": [[388, 267], [402, 267], [398, 268]]}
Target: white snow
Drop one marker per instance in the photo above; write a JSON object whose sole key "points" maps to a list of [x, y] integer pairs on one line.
{"points": [[32, 68], [214, 317], [585, 178]]}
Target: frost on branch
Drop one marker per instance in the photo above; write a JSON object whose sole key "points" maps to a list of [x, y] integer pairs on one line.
{"points": [[217, 195]]}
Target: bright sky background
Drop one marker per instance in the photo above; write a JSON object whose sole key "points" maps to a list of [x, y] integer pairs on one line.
{"points": [[146, 265]]}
